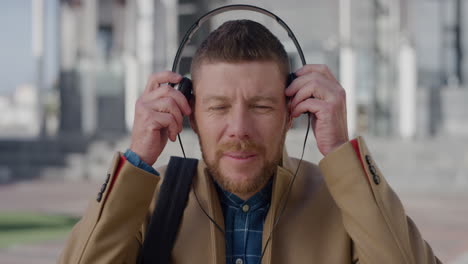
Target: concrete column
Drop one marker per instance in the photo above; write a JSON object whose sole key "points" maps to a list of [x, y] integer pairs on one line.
{"points": [[172, 30], [132, 90], [70, 94], [133, 83], [160, 36], [68, 33], [119, 21], [407, 84], [87, 65], [348, 65], [348, 81], [138, 52], [38, 11], [145, 38], [165, 34]]}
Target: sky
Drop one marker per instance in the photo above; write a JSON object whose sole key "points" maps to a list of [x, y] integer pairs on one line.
{"points": [[17, 64]]}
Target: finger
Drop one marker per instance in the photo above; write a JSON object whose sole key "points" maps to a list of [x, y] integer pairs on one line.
{"points": [[167, 121], [168, 105], [319, 68], [303, 94], [310, 105], [168, 91], [156, 79], [311, 86], [299, 82]]}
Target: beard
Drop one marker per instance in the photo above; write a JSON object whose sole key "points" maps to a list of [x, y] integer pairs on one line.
{"points": [[254, 182]]}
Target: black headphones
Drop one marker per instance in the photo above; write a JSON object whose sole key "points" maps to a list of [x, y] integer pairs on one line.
{"points": [[185, 85]]}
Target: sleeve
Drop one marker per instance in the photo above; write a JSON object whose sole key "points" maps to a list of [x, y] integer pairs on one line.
{"points": [[135, 160], [110, 230], [372, 213]]}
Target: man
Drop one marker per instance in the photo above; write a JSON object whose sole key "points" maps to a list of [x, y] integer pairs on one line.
{"points": [[341, 211]]}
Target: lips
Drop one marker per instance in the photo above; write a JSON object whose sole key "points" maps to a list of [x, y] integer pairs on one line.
{"points": [[240, 155]]}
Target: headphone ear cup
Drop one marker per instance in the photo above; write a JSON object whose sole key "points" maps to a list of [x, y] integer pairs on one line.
{"points": [[185, 87], [291, 77]]}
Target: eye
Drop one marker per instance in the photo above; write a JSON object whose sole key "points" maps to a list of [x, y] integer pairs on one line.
{"points": [[218, 107], [262, 106]]}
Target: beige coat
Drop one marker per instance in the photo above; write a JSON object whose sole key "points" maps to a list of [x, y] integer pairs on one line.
{"points": [[342, 211]]}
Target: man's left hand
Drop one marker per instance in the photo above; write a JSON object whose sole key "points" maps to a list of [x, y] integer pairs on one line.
{"points": [[316, 91]]}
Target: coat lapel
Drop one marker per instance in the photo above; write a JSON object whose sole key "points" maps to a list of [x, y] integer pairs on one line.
{"points": [[278, 199], [209, 200]]}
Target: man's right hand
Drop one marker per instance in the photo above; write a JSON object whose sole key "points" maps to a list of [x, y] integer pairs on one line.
{"points": [[158, 116]]}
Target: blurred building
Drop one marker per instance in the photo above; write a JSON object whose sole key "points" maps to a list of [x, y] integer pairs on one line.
{"points": [[401, 62], [109, 48], [19, 112]]}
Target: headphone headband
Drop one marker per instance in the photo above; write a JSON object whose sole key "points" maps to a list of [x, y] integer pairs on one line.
{"points": [[194, 28]]}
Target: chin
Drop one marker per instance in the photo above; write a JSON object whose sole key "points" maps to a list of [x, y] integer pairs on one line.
{"points": [[240, 174], [239, 178], [239, 184], [241, 181]]}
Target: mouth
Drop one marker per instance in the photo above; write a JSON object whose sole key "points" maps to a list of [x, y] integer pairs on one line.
{"points": [[240, 156]]}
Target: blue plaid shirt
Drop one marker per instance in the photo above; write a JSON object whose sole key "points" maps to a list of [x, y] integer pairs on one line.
{"points": [[243, 221]]}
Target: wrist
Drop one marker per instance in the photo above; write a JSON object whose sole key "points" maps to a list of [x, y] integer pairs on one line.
{"points": [[146, 158], [137, 161], [336, 146]]}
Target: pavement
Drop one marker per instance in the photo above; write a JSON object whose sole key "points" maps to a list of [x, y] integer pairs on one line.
{"points": [[43, 196], [441, 218], [430, 178]]}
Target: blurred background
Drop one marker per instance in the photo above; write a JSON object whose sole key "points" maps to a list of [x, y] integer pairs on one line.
{"points": [[72, 70]]}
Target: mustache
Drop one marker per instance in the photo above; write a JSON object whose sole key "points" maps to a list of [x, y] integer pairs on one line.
{"points": [[240, 145]]}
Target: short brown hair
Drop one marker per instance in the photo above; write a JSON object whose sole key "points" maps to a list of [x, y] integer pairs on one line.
{"points": [[240, 41]]}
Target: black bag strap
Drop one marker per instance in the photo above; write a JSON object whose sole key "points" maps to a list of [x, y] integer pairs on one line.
{"points": [[167, 216]]}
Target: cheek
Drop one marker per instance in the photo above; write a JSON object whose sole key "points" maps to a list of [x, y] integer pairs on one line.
{"points": [[209, 134], [272, 131], [272, 125]]}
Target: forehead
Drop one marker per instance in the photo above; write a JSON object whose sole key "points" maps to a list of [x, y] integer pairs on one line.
{"points": [[258, 78]]}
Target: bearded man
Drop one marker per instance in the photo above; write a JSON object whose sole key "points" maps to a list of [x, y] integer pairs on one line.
{"points": [[342, 211]]}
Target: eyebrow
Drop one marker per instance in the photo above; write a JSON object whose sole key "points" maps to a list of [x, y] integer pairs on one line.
{"points": [[254, 99], [258, 98], [214, 98]]}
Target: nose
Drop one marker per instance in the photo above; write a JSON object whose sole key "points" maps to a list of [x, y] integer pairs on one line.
{"points": [[240, 123]]}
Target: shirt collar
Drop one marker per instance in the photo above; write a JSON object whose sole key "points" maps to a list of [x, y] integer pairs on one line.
{"points": [[259, 200]]}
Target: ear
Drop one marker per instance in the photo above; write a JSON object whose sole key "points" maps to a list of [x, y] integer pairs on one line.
{"points": [[193, 122]]}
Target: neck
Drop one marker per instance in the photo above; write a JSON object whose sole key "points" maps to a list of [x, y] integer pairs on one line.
{"points": [[246, 196]]}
